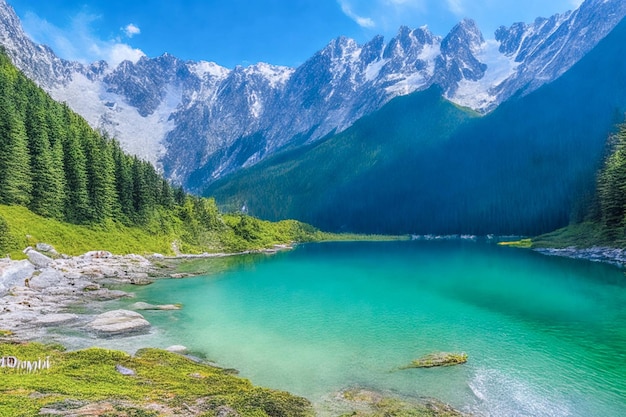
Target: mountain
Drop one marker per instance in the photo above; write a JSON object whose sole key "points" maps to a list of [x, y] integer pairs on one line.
{"points": [[200, 121], [422, 165], [63, 182]]}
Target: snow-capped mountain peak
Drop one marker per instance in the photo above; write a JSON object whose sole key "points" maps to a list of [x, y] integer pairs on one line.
{"points": [[201, 120], [276, 76], [204, 69]]}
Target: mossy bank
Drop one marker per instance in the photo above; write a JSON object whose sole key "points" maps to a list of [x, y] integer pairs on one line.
{"points": [[161, 383]]}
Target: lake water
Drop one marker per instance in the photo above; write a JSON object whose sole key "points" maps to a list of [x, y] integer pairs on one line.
{"points": [[545, 336]]}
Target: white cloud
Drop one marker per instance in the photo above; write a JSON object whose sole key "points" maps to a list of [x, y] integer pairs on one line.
{"points": [[364, 22], [115, 53], [131, 30], [78, 42], [456, 7], [405, 2], [385, 16]]}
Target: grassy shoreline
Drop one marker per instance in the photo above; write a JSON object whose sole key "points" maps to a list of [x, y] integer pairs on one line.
{"points": [[155, 382], [584, 235], [27, 229], [162, 383]]}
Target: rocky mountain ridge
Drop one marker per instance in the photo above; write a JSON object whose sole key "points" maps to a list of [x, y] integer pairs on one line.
{"points": [[200, 121]]}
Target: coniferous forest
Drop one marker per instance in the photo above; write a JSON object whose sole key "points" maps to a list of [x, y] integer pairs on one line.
{"points": [[55, 165], [610, 206], [603, 216], [52, 162]]}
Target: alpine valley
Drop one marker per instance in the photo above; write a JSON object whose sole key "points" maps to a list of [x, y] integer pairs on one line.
{"points": [[271, 138], [117, 177]]}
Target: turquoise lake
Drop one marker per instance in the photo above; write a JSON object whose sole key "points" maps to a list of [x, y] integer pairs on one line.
{"points": [[545, 336]]}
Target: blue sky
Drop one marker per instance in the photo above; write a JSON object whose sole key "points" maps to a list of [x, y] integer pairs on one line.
{"points": [[243, 32]]}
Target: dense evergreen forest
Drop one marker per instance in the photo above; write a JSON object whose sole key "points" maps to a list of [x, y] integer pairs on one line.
{"points": [[603, 218], [53, 163], [609, 208]]}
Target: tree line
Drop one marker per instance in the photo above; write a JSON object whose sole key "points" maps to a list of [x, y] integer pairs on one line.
{"points": [[609, 206]]}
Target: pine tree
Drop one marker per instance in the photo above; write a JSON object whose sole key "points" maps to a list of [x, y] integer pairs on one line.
{"points": [[46, 196], [15, 180], [612, 183], [100, 174], [179, 196], [123, 184], [167, 195], [143, 196], [77, 203], [56, 133]]}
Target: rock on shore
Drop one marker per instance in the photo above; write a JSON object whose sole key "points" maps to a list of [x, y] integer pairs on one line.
{"points": [[614, 256], [35, 293], [14, 273], [118, 322]]}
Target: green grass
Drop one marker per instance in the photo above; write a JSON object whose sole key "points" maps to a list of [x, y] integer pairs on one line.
{"points": [[237, 234], [28, 229], [522, 243], [161, 378], [581, 235]]}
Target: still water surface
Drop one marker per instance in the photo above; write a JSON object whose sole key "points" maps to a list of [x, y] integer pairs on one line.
{"points": [[545, 336]]}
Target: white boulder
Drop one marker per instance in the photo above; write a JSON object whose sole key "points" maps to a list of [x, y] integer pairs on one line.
{"points": [[118, 322]]}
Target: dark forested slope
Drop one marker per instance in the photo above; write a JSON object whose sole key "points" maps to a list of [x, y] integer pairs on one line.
{"points": [[421, 165]]}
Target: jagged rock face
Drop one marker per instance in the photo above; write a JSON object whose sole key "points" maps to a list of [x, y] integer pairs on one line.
{"points": [[547, 48], [241, 103], [458, 59], [38, 61], [144, 84], [200, 121]]}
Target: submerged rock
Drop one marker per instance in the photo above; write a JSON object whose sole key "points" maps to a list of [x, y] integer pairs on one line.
{"points": [[362, 402], [438, 359], [57, 319], [177, 349], [118, 322], [145, 306]]}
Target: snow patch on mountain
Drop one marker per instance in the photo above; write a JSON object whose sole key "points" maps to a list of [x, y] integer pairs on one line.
{"points": [[479, 95], [201, 120], [204, 68], [108, 112], [276, 76], [373, 69]]}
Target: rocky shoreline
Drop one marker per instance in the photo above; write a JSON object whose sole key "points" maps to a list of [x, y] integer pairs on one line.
{"points": [[613, 256], [37, 293], [44, 292]]}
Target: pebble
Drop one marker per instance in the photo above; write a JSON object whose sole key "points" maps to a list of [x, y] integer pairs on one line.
{"points": [[125, 371]]}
